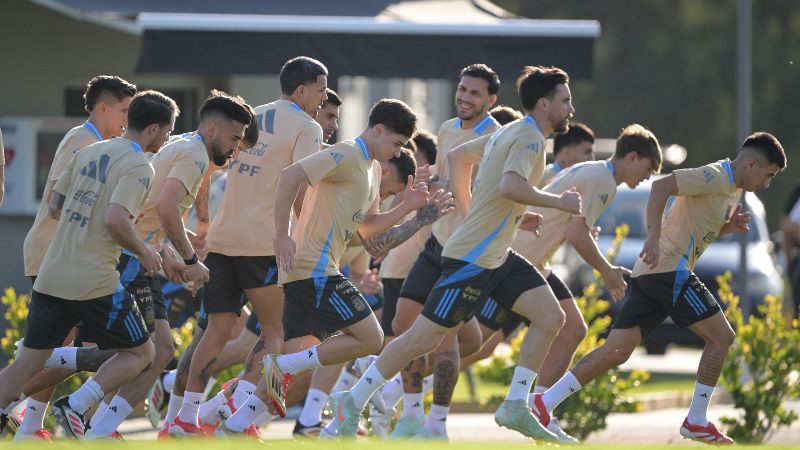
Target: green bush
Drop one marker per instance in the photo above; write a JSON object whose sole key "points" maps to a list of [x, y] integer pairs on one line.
{"points": [[587, 410], [760, 371]]}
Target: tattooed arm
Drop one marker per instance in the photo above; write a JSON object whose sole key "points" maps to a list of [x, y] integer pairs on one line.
{"points": [[201, 204], [55, 205], [169, 214], [380, 244]]}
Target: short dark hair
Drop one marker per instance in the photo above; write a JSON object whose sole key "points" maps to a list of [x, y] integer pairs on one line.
{"points": [[505, 114], [426, 143], [151, 107], [232, 107], [537, 82], [484, 72], [767, 146], [405, 164], [333, 98], [106, 85], [637, 139], [394, 115], [300, 70], [576, 134], [250, 137]]}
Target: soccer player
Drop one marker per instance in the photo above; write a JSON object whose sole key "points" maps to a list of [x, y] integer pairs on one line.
{"points": [[179, 170], [637, 156], [241, 257], [343, 202], [95, 199], [476, 93], [106, 99], [505, 114], [477, 260], [328, 116], [573, 147], [663, 284]]}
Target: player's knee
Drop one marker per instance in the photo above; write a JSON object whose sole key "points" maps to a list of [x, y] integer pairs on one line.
{"points": [[469, 343], [400, 326], [725, 338], [165, 350], [551, 320], [574, 332], [485, 351], [372, 343], [145, 355]]}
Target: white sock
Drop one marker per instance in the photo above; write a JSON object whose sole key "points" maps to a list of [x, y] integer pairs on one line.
{"points": [[20, 406], [13, 407], [539, 389], [392, 391], [208, 410], [299, 362], [174, 407], [427, 384], [699, 406], [413, 406], [169, 380], [118, 410], [86, 396], [98, 413], [244, 416], [190, 407], [345, 381], [437, 419], [243, 390], [563, 388], [312, 409], [62, 358], [532, 396], [209, 385], [371, 381], [265, 417], [521, 384], [34, 417]]}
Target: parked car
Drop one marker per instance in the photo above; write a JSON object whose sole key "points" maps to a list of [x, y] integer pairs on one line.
{"points": [[629, 205]]}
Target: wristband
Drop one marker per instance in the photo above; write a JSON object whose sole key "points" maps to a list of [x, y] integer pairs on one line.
{"points": [[192, 260]]}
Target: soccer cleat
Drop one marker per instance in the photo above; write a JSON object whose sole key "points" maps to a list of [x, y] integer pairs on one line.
{"points": [[208, 428], [515, 415], [562, 435], [9, 423], [380, 422], [223, 431], [71, 421], [41, 435], [407, 427], [346, 414], [184, 429], [425, 435], [163, 434], [540, 411], [252, 431], [707, 434], [303, 432], [277, 383], [155, 402]]}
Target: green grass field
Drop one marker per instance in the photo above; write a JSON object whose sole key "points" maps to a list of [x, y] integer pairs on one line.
{"points": [[244, 444]]}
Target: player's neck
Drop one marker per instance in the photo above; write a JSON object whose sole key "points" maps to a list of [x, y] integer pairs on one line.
{"points": [[561, 162], [137, 137], [736, 169], [296, 100], [468, 124], [97, 122], [618, 166], [367, 140], [541, 120]]}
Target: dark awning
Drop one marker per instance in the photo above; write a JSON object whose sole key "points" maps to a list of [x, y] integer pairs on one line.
{"points": [[379, 38]]}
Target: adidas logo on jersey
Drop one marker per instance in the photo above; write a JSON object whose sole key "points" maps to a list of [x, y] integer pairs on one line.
{"points": [[708, 176], [603, 198], [337, 157], [96, 169]]}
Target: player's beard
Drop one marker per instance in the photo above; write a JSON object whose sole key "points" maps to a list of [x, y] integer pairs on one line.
{"points": [[218, 156], [561, 126], [478, 110]]}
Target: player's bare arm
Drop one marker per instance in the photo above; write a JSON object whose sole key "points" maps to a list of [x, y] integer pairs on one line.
{"points": [[662, 189]]}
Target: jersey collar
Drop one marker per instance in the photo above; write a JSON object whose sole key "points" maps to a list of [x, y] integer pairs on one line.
{"points": [[363, 146], [90, 126]]}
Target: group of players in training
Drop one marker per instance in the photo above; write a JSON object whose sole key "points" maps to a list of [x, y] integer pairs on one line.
{"points": [[462, 226]]}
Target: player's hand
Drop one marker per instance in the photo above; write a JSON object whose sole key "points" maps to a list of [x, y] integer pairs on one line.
{"points": [[416, 195], [738, 223], [370, 283], [615, 282], [531, 222], [173, 268], [200, 244], [595, 231], [570, 201], [284, 252], [423, 174], [197, 273], [150, 261], [650, 252]]}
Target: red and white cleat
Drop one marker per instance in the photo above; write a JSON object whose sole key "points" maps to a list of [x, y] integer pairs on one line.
{"points": [[163, 434], [707, 434], [38, 435], [184, 429], [539, 410], [278, 382]]}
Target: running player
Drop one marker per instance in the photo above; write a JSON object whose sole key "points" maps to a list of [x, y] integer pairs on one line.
{"points": [[573, 147], [179, 169], [663, 284], [100, 191], [636, 157], [241, 257], [477, 261], [476, 93]]}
